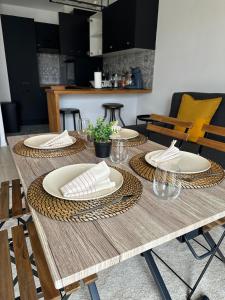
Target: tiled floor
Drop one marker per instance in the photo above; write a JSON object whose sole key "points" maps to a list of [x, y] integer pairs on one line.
{"points": [[131, 279]]}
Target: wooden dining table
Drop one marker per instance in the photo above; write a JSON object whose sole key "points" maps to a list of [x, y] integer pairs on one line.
{"points": [[76, 250]]}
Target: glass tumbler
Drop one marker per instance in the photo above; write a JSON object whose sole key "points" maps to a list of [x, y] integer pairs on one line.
{"points": [[119, 151], [166, 184], [82, 127]]}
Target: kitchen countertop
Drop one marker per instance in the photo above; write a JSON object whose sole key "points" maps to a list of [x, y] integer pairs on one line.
{"points": [[79, 91]]}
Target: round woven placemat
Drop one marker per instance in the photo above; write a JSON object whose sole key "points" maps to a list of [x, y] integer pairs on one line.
{"points": [[139, 140], [84, 211], [23, 150], [212, 177]]}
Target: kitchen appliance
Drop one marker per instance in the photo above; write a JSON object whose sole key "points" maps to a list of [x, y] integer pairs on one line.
{"points": [[137, 80]]}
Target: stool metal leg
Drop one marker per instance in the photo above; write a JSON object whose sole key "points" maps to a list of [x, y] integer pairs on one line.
{"points": [[74, 121], [121, 118], [111, 115], [64, 122], [105, 115]]}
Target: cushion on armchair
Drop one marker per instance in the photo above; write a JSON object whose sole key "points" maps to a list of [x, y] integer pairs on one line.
{"points": [[199, 112]]}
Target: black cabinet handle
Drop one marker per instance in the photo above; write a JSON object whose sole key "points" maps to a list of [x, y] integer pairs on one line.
{"points": [[128, 43], [110, 47]]}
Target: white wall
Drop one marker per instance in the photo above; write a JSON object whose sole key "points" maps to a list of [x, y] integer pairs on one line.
{"points": [[190, 51], [4, 85], [40, 15], [91, 106], [4, 81]]}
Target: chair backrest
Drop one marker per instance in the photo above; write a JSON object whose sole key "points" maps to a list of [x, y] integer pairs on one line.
{"points": [[210, 143], [158, 128], [218, 119]]}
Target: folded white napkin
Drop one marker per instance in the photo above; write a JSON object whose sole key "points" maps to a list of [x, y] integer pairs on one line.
{"points": [[93, 180], [63, 139], [169, 153], [116, 128]]}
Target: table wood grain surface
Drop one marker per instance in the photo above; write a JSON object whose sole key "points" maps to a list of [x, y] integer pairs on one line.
{"points": [[77, 250]]}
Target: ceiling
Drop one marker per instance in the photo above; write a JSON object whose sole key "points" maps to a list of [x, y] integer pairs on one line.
{"points": [[41, 4]]}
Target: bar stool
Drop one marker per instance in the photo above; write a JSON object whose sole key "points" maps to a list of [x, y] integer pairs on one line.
{"points": [[143, 118], [113, 107], [73, 111]]}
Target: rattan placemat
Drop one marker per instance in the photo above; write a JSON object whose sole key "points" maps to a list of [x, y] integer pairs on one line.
{"points": [[23, 150], [84, 211], [194, 181], [139, 140]]}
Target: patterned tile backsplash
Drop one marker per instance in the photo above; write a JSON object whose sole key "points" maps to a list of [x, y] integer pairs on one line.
{"points": [[53, 69], [121, 62], [49, 68]]}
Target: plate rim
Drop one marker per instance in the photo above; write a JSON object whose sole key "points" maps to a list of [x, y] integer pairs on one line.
{"points": [[84, 198], [119, 138], [41, 148], [187, 172]]}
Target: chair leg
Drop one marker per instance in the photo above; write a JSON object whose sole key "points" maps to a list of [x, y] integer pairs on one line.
{"points": [[215, 249], [121, 118], [212, 244]]}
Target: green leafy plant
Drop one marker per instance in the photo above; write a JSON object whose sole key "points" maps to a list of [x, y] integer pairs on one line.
{"points": [[102, 131]]}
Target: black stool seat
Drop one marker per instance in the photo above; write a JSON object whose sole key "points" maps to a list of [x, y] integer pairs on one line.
{"points": [[69, 110], [113, 107], [144, 118], [73, 111]]}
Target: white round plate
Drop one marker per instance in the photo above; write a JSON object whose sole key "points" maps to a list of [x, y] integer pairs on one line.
{"points": [[58, 178], [125, 134], [188, 163], [35, 141]]}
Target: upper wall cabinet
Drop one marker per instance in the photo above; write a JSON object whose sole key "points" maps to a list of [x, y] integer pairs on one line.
{"points": [[47, 37], [130, 24], [96, 34], [74, 32]]}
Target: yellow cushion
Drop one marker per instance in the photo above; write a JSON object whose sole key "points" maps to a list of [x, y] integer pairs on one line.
{"points": [[197, 111]]}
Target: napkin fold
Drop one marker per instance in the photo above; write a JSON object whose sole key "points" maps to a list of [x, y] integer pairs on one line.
{"points": [[93, 180], [169, 153], [63, 139]]}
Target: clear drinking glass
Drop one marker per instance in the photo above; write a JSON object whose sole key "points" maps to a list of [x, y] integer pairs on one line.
{"points": [[82, 127], [166, 184], [119, 151]]}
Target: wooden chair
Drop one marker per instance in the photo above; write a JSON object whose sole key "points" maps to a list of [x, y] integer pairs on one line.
{"points": [[161, 120], [27, 288], [205, 230], [220, 146], [16, 197], [216, 130]]}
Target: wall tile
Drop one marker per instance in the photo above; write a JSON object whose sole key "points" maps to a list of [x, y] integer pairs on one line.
{"points": [[122, 62]]}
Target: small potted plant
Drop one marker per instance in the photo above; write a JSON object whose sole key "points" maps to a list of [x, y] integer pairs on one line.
{"points": [[100, 133]]}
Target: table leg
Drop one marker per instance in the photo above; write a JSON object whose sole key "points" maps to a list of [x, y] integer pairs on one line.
{"points": [[93, 291], [156, 275]]}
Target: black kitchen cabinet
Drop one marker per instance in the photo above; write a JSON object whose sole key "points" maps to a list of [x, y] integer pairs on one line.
{"points": [[47, 37], [74, 32], [130, 24], [21, 58]]}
